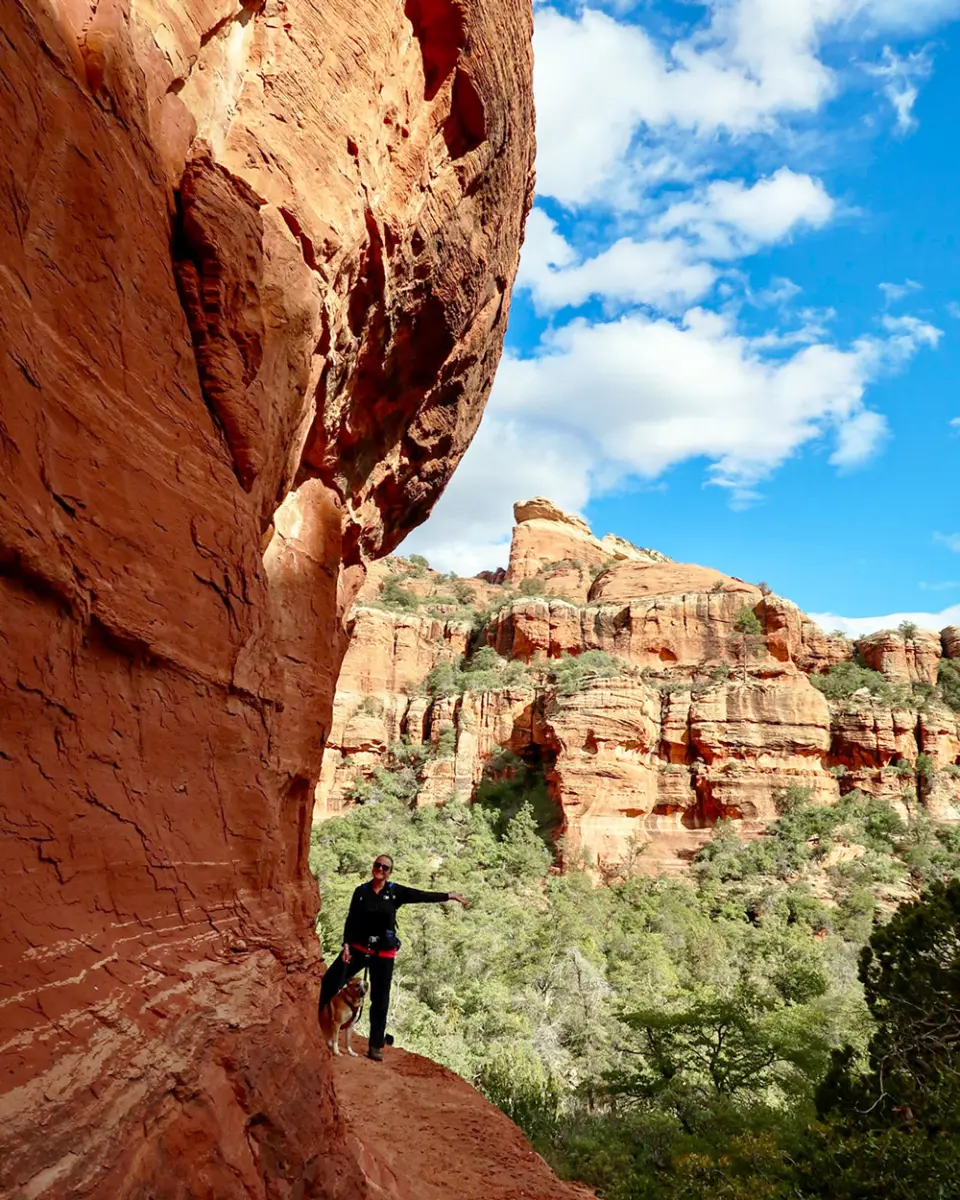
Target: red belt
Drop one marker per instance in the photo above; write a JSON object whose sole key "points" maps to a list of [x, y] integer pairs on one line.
{"points": [[374, 953]]}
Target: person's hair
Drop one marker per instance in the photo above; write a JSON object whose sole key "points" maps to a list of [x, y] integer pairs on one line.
{"points": [[377, 857]]}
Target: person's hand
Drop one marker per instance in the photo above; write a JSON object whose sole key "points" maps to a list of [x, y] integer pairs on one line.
{"points": [[345, 953], [460, 899]]}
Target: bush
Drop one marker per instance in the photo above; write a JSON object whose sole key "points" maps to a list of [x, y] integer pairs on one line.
{"points": [[531, 587], [948, 682], [397, 597], [846, 678], [571, 673], [419, 564], [792, 799], [486, 671], [447, 742]]}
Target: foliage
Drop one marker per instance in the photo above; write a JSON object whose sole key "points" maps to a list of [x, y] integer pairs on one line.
{"points": [[398, 598], [510, 784], [419, 564], [463, 592], [570, 673], [908, 630], [447, 742], [948, 681], [747, 637], [532, 587], [893, 1124], [485, 671], [664, 1039], [844, 679]]}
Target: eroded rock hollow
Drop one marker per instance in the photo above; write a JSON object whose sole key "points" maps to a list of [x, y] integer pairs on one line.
{"points": [[255, 268]]}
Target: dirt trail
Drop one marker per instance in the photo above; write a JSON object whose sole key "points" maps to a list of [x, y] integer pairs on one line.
{"points": [[422, 1133]]}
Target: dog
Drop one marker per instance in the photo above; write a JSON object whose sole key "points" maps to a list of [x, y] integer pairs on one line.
{"points": [[343, 1012]]}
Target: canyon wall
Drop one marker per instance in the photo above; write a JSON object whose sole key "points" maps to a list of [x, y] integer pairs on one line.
{"points": [[681, 722], [255, 269]]}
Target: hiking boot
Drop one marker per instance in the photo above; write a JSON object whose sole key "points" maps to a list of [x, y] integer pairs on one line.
{"points": [[376, 1053]]}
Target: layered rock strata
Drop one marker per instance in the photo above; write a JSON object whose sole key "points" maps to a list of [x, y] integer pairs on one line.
{"points": [[701, 724], [255, 267], [561, 549]]}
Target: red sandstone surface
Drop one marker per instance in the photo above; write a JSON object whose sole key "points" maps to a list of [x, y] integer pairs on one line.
{"points": [[422, 1133], [255, 269]]}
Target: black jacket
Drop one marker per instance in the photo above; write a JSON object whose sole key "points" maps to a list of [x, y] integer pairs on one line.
{"points": [[372, 916]]}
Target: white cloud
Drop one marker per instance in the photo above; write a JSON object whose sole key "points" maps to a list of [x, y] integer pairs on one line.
{"points": [[894, 292], [726, 220], [662, 273], [730, 219], [950, 540], [861, 626], [623, 119], [859, 439], [648, 393], [635, 396], [508, 460], [603, 85], [901, 77]]}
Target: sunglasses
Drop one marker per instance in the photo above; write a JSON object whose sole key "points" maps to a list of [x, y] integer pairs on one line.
{"points": [[378, 866]]}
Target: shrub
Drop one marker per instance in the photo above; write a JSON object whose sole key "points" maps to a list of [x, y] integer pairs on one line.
{"points": [[395, 596], [463, 592], [531, 587], [948, 681], [571, 673], [447, 742], [486, 671], [792, 799], [419, 563], [846, 678], [908, 630]]}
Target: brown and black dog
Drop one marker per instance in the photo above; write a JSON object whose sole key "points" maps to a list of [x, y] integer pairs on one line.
{"points": [[343, 1012]]}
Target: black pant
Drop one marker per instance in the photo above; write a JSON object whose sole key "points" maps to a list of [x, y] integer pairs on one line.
{"points": [[381, 976]]}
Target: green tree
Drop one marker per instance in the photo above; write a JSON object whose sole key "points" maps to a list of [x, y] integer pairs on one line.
{"points": [[747, 637], [893, 1128]]}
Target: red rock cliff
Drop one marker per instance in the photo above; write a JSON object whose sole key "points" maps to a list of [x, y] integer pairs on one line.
{"points": [[255, 267], [696, 727]]}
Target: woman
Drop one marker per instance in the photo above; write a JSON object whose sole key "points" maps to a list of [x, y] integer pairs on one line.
{"points": [[370, 940]]}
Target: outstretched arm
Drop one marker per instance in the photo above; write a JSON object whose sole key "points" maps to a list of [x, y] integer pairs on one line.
{"points": [[409, 895]]}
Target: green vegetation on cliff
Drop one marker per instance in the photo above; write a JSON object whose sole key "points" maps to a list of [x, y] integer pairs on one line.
{"points": [[664, 1038]]}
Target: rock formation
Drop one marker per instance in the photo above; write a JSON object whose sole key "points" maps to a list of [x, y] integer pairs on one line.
{"points": [[561, 549], [686, 722], [255, 268]]}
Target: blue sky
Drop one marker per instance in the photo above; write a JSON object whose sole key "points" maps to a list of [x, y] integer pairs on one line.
{"points": [[736, 330]]}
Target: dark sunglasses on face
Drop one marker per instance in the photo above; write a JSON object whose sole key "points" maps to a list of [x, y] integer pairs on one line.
{"points": [[378, 866]]}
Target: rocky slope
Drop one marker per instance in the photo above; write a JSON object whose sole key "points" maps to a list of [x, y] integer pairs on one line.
{"points": [[255, 269], [492, 1158], [676, 720]]}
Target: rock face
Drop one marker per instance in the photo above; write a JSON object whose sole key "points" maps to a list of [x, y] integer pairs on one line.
{"points": [[700, 724], [256, 268], [562, 549], [913, 659]]}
